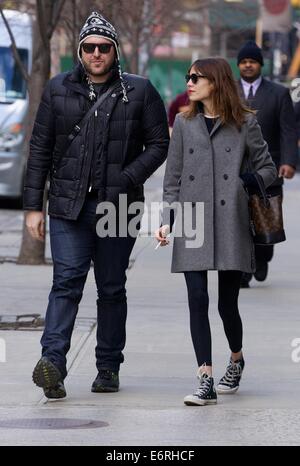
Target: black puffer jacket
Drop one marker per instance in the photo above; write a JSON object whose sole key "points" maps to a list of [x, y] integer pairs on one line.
{"points": [[134, 144]]}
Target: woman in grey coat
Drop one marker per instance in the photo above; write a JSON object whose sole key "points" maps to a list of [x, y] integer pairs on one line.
{"points": [[215, 148]]}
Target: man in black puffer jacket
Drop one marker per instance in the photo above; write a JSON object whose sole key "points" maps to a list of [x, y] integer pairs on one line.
{"points": [[122, 144]]}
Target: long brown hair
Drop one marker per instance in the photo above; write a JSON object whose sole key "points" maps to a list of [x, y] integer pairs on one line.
{"points": [[225, 98]]}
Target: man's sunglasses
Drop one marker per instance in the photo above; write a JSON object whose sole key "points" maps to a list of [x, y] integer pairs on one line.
{"points": [[194, 77], [103, 48]]}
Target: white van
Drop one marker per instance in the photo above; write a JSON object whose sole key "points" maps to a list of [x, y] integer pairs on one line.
{"points": [[13, 102]]}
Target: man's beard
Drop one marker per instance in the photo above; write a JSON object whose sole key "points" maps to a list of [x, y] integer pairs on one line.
{"points": [[101, 72]]}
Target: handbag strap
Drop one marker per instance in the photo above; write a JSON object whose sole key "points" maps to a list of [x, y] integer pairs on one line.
{"points": [[258, 180], [77, 128], [262, 190]]}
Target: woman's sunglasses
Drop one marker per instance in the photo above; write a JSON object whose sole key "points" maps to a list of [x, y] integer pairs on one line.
{"points": [[103, 48], [194, 77]]}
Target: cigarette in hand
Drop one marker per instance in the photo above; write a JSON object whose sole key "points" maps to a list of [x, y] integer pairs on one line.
{"points": [[159, 243]]}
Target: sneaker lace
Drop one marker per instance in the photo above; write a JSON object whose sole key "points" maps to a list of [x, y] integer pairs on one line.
{"points": [[233, 371], [204, 385]]}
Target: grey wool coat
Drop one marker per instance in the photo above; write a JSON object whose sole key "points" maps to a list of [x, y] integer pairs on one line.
{"points": [[203, 168]]}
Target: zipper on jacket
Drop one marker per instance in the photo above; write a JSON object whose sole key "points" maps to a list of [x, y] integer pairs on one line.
{"points": [[96, 115]]}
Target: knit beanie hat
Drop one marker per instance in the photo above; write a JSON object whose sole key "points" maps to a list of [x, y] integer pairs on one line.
{"points": [[97, 26], [250, 50]]}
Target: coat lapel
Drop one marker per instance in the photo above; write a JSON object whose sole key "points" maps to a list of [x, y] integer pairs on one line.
{"points": [[259, 97], [203, 124], [216, 127], [241, 91]]}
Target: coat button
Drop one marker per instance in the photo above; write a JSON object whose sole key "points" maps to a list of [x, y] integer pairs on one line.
{"points": [[114, 95], [192, 177], [191, 151], [225, 177], [228, 149], [223, 202]]}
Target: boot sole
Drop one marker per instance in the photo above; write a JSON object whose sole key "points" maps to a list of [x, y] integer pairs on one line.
{"points": [[46, 375], [104, 390]]}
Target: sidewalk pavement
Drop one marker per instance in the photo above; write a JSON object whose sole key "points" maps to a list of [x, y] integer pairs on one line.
{"points": [[160, 366]]}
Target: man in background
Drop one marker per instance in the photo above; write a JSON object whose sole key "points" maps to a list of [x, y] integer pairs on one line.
{"points": [[276, 117]]}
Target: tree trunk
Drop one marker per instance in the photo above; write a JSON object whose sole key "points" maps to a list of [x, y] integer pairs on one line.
{"points": [[134, 58], [32, 251]]}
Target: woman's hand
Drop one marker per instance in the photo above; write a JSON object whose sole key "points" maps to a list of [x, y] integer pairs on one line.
{"points": [[161, 235]]}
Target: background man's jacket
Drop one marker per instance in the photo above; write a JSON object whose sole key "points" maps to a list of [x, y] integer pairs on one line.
{"points": [[276, 117]]}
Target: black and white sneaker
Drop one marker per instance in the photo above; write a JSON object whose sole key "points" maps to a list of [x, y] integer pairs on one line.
{"points": [[205, 394], [229, 383]]}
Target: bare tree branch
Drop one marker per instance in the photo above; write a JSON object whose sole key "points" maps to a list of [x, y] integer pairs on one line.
{"points": [[57, 7], [141, 24], [41, 19]]}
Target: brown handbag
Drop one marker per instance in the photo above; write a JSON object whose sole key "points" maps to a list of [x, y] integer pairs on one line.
{"points": [[266, 218]]}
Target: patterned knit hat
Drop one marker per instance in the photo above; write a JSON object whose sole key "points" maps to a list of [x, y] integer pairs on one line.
{"points": [[97, 26]]}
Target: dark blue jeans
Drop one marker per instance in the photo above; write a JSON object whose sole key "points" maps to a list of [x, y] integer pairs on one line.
{"points": [[73, 245]]}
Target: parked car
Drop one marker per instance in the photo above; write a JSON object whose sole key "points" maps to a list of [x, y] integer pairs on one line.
{"points": [[13, 103]]}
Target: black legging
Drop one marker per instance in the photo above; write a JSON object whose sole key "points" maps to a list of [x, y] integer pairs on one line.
{"points": [[229, 286]]}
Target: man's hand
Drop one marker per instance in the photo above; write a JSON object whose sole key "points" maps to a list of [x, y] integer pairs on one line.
{"points": [[36, 224], [286, 171]]}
